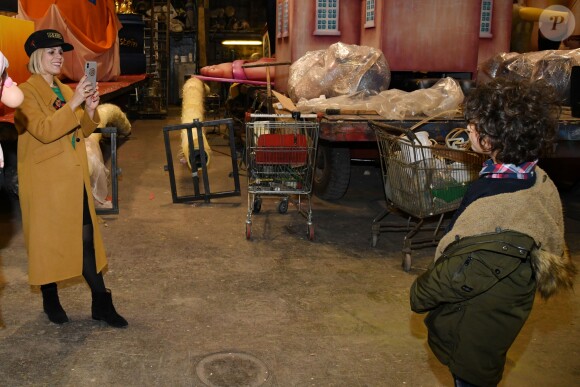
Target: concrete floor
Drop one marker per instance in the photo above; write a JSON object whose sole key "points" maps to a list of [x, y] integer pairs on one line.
{"points": [[208, 308]]}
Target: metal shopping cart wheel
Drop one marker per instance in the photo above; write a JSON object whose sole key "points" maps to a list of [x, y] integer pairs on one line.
{"points": [[283, 206], [310, 231], [407, 259], [257, 205], [248, 230]]}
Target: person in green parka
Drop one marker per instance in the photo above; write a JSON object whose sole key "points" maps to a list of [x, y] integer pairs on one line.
{"points": [[506, 240]]}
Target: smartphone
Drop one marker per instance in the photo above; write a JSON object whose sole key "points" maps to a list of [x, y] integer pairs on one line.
{"points": [[91, 73]]}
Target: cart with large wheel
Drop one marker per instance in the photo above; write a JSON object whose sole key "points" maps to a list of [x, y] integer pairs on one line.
{"points": [[423, 183], [280, 155]]}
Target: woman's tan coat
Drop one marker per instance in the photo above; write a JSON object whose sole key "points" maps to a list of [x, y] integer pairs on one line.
{"points": [[51, 174]]}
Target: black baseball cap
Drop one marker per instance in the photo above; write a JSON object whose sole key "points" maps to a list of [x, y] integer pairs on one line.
{"points": [[45, 39]]}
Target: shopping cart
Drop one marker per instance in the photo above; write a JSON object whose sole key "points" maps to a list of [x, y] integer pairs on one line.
{"points": [[421, 182], [280, 154]]}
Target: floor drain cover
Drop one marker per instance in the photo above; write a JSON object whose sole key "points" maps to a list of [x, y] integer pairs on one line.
{"points": [[228, 369]]}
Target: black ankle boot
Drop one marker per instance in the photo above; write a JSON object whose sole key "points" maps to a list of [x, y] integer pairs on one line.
{"points": [[104, 310], [51, 304]]}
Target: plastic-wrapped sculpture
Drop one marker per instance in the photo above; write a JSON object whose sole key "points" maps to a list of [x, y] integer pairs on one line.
{"points": [[341, 69], [441, 99], [358, 78], [554, 66]]}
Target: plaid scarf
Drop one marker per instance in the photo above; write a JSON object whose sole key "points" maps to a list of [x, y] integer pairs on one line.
{"points": [[508, 171]]}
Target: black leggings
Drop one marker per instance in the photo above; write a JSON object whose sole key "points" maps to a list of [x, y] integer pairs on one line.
{"points": [[94, 279]]}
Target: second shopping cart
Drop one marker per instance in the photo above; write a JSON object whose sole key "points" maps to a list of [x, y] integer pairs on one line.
{"points": [[422, 180], [280, 155]]}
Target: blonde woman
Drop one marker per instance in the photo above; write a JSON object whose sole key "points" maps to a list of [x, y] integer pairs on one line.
{"points": [[61, 233]]}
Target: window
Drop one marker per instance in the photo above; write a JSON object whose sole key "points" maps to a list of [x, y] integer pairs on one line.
{"points": [[327, 17], [485, 21], [285, 21], [370, 13], [279, 15]]}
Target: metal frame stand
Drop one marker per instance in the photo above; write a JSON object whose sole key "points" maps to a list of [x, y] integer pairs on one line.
{"points": [[197, 160]]}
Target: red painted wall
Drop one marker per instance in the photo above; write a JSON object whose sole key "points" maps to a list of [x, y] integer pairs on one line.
{"points": [[427, 35], [414, 35]]}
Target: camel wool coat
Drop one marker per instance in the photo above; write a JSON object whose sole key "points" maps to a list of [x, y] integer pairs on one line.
{"points": [[51, 175]]}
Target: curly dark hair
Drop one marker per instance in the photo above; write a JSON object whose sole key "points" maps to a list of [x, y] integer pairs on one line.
{"points": [[519, 118]]}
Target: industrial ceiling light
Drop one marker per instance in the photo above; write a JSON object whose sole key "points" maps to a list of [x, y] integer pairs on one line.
{"points": [[242, 43]]}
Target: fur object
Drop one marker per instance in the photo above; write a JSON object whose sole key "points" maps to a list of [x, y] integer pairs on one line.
{"points": [[553, 272], [112, 115], [90, 142], [192, 109], [98, 171]]}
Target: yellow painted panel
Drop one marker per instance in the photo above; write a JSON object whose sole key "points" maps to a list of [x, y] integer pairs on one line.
{"points": [[13, 34]]}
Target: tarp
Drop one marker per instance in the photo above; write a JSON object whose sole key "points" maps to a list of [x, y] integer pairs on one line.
{"points": [[91, 26]]}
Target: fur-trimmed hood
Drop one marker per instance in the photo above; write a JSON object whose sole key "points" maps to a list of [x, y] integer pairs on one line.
{"points": [[552, 272]]}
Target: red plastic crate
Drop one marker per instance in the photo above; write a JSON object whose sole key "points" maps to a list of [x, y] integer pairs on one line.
{"points": [[291, 149]]}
